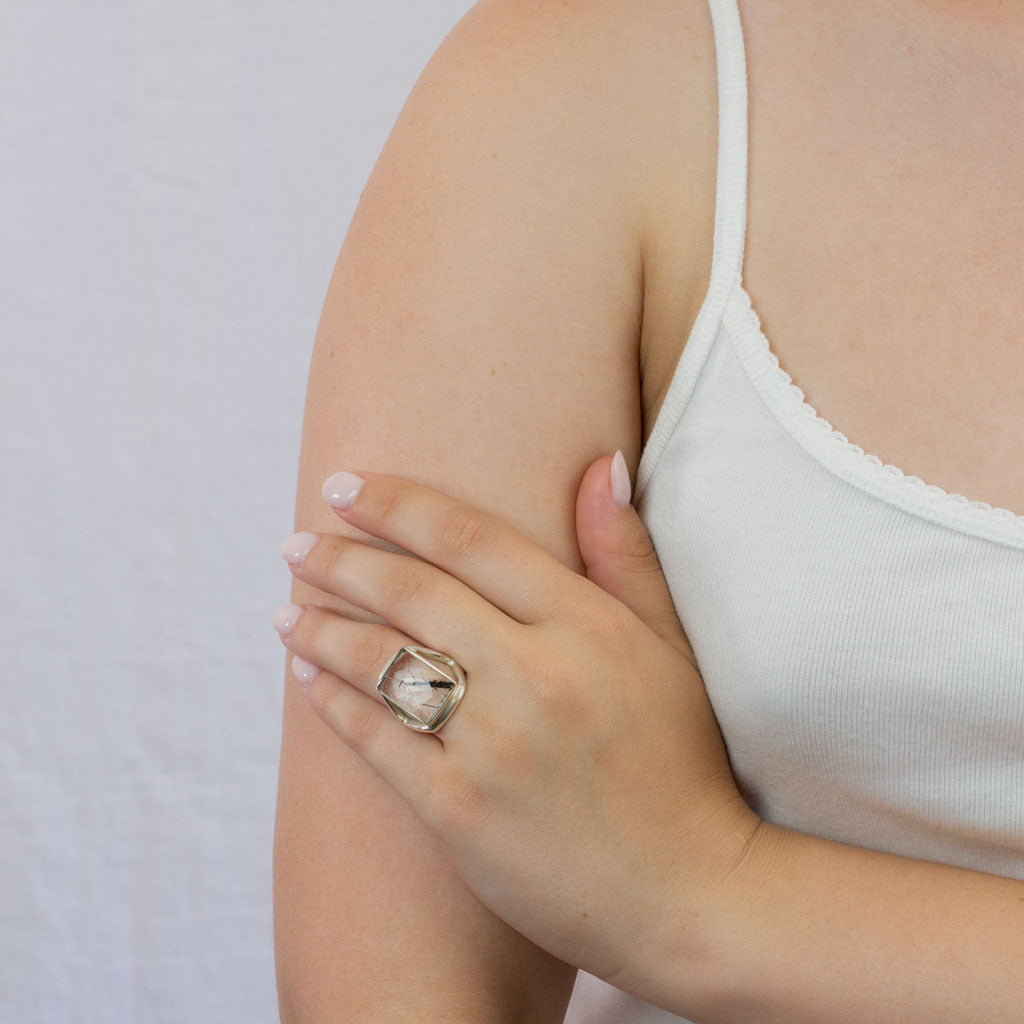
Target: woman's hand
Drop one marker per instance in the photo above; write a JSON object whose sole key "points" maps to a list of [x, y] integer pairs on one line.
{"points": [[581, 786]]}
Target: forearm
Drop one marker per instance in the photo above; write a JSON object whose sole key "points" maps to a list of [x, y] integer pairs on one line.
{"points": [[822, 932]]}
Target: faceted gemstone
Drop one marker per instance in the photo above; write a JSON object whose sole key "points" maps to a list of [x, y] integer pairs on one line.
{"points": [[422, 687]]}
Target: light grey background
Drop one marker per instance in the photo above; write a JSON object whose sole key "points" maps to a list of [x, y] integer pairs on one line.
{"points": [[175, 182]]}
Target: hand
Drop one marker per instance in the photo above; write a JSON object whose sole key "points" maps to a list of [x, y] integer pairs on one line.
{"points": [[581, 786]]}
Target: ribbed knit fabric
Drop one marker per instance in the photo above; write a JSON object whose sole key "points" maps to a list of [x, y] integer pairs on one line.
{"points": [[860, 632]]}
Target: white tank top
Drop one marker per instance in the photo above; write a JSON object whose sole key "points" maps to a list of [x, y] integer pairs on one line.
{"points": [[860, 632]]}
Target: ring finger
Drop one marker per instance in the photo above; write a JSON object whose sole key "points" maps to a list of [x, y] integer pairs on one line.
{"points": [[356, 652]]}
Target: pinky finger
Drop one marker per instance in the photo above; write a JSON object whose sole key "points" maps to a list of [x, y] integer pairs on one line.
{"points": [[411, 762]]}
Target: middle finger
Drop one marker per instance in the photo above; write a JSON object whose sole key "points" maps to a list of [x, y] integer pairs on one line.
{"points": [[412, 595]]}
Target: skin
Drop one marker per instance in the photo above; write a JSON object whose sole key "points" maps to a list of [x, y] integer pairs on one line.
{"points": [[586, 837], [868, 129], [470, 248], [884, 227]]}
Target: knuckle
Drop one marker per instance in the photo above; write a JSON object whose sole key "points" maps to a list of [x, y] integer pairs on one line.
{"points": [[566, 703], [464, 530], [334, 567], [388, 506], [640, 552], [642, 568], [563, 691], [406, 583], [370, 653], [363, 723]]}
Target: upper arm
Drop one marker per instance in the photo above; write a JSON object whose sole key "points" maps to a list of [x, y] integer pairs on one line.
{"points": [[479, 336]]}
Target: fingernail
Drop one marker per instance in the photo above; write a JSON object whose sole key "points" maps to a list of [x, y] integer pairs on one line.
{"points": [[620, 480], [297, 546], [285, 618], [304, 670], [340, 489]]}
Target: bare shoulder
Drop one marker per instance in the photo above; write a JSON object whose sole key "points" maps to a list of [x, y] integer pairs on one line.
{"points": [[634, 81], [644, 73], [629, 90]]}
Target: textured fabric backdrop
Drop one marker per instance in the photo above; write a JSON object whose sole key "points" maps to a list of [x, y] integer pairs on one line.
{"points": [[175, 183]]}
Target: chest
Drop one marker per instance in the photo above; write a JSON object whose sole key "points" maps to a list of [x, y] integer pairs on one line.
{"points": [[885, 228], [866, 666]]}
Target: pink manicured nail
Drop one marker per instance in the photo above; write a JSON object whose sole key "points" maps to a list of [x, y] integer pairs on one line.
{"points": [[340, 489], [620, 480], [285, 618], [304, 670], [297, 546]]}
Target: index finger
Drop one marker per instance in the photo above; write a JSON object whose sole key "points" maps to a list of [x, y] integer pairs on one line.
{"points": [[482, 550]]}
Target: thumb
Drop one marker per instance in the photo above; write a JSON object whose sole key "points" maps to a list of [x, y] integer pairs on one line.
{"points": [[618, 551]]}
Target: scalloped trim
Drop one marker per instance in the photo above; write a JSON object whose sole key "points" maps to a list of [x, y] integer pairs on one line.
{"points": [[784, 384]]}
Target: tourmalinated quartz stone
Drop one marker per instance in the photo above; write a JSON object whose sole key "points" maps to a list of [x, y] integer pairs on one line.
{"points": [[422, 687]]}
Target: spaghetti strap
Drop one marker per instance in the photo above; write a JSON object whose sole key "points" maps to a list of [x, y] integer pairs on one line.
{"points": [[730, 228]]}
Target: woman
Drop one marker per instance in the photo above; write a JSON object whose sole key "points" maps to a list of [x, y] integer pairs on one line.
{"points": [[560, 254]]}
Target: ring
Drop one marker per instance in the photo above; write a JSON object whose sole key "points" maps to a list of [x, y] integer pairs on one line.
{"points": [[422, 687]]}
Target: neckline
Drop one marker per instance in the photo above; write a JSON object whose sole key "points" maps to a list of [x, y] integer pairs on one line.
{"points": [[831, 448]]}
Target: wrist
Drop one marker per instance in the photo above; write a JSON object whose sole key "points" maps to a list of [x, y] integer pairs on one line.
{"points": [[690, 965], [766, 869], [735, 947]]}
